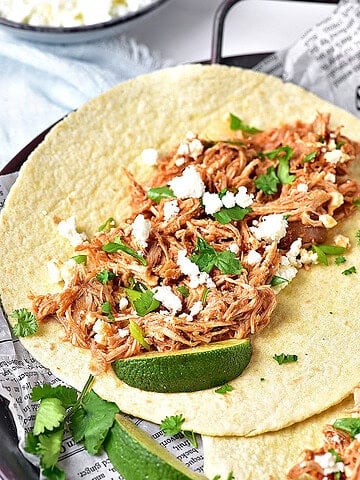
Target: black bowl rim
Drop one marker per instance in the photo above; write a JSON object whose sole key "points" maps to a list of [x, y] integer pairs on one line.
{"points": [[82, 28]]}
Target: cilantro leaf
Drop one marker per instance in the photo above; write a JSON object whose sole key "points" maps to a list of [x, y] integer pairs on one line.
{"points": [[349, 271], [284, 358], [137, 332], [340, 260], [331, 249], [276, 154], [357, 236], [31, 443], [237, 124], [351, 425], [322, 258], [143, 302], [26, 322], [80, 259], [157, 193], [117, 245], [206, 258], [204, 295], [267, 183], [172, 425], [183, 289], [106, 308], [50, 414], [276, 280], [224, 389], [105, 276], [67, 395], [283, 172], [54, 473], [190, 435], [225, 215], [92, 421], [49, 447], [310, 156], [107, 225]]}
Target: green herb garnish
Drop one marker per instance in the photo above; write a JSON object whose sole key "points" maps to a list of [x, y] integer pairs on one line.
{"points": [[268, 183], [350, 425], [357, 236], [206, 258], [190, 435], [137, 332], [224, 389], [26, 323], [117, 245], [80, 259], [237, 124], [310, 156], [183, 289], [276, 280], [204, 295], [284, 358], [323, 250], [157, 193], [172, 425], [108, 225], [106, 308], [340, 260], [349, 271], [105, 276], [356, 202], [143, 301], [225, 215]]}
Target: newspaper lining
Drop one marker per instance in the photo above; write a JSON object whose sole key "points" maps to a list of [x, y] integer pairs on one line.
{"points": [[326, 61]]}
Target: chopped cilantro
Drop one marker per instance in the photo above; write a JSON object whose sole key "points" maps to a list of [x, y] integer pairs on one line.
{"points": [[276, 280], [335, 454], [340, 260], [339, 144], [117, 245], [284, 358], [143, 301], [223, 192], [224, 389], [349, 271], [26, 322], [172, 425], [107, 225], [183, 289], [137, 332], [49, 446], [276, 154], [350, 425], [67, 395], [310, 156], [237, 124], [49, 416], [157, 193], [206, 258], [268, 183], [283, 172], [204, 295], [323, 250], [262, 379], [105, 276], [190, 435], [106, 308], [357, 236], [80, 258], [225, 215], [356, 202]]}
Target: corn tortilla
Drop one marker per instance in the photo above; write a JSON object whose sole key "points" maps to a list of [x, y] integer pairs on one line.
{"points": [[76, 171]]}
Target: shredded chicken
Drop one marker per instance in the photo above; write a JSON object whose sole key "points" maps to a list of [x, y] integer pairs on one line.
{"points": [[311, 192], [344, 449]]}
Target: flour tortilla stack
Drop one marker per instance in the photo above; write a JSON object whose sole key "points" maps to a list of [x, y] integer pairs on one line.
{"points": [[76, 171]]}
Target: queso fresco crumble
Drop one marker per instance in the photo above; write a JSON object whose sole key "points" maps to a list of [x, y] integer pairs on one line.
{"points": [[68, 13]]}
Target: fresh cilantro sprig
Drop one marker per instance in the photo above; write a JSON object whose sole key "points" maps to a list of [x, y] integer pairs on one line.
{"points": [[206, 258], [173, 425], [157, 193], [137, 332], [225, 215], [80, 259], [224, 389], [143, 301], [87, 415], [183, 289], [237, 124], [269, 182], [339, 260], [276, 280], [107, 225], [323, 250], [310, 156], [285, 358], [105, 276], [349, 271], [350, 425], [106, 308], [26, 322], [118, 244]]}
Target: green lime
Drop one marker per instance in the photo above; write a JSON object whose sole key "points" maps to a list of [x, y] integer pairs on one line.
{"points": [[137, 456], [187, 370]]}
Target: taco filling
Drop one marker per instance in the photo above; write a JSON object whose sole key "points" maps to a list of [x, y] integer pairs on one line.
{"points": [[222, 228]]}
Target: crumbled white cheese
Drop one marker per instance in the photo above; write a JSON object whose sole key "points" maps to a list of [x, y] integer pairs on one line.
{"points": [[179, 161], [336, 156], [90, 319], [102, 330], [123, 332], [272, 228], [253, 257], [150, 156], [212, 203], [228, 200], [307, 257], [328, 463], [294, 252], [123, 303], [68, 13], [141, 230], [167, 297], [188, 185], [67, 229], [67, 270], [328, 221], [330, 177], [302, 187], [331, 145], [342, 241], [189, 268], [190, 146], [242, 198], [171, 208], [196, 308], [53, 271], [234, 248], [337, 199]]}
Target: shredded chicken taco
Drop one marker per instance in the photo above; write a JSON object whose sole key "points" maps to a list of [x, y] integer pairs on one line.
{"points": [[193, 205]]}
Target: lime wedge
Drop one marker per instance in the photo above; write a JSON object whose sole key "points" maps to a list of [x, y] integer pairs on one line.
{"points": [[137, 456], [187, 370]]}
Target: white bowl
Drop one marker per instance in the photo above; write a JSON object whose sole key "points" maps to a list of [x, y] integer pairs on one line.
{"points": [[83, 33]]}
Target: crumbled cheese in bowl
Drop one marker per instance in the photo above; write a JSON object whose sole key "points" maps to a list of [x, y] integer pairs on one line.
{"points": [[68, 13]]}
